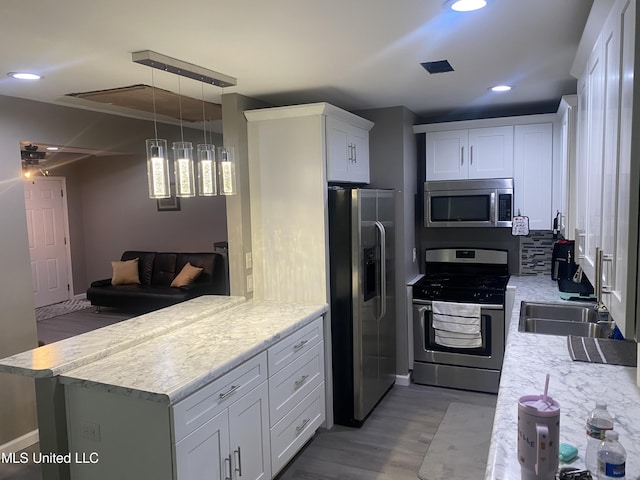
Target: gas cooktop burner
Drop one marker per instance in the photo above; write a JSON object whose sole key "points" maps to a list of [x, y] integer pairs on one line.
{"points": [[466, 276]]}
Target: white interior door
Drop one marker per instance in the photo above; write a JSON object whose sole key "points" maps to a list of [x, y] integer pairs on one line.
{"points": [[46, 227]]}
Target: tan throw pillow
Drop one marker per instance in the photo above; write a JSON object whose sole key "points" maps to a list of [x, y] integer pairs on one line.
{"points": [[125, 273], [186, 276]]}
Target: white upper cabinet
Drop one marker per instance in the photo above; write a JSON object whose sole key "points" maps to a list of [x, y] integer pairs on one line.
{"points": [[566, 175], [347, 152], [533, 162], [470, 153], [607, 216]]}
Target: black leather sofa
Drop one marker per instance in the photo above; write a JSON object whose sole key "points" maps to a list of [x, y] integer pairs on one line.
{"points": [[156, 272]]}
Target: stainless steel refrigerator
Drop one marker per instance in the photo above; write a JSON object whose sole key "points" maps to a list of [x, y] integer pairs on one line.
{"points": [[363, 331]]}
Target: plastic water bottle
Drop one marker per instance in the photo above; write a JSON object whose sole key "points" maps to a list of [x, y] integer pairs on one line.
{"points": [[598, 422], [611, 457]]}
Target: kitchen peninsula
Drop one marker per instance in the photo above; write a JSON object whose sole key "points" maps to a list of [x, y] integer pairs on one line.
{"points": [[575, 385], [238, 388]]}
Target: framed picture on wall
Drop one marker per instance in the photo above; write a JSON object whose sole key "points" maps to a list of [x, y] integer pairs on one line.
{"points": [[171, 204]]}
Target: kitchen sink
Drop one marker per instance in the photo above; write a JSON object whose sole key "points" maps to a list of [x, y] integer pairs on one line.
{"points": [[562, 319]]}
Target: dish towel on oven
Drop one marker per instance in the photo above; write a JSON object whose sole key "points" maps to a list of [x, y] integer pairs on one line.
{"points": [[456, 325]]}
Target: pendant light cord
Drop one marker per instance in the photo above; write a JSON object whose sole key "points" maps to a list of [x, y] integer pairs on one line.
{"points": [[180, 108], [204, 116], [153, 96]]}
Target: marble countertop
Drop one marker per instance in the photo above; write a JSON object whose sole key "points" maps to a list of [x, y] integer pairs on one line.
{"points": [[575, 385], [59, 357], [171, 366]]}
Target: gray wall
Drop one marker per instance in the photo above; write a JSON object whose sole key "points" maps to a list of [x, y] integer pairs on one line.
{"points": [[234, 130], [393, 165], [103, 191], [110, 211]]}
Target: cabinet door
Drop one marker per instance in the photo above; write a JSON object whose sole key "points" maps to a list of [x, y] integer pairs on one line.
{"points": [[618, 279], [205, 452], [446, 155], [491, 152], [249, 435], [347, 152], [594, 159], [337, 150], [581, 172], [359, 164], [533, 159]]}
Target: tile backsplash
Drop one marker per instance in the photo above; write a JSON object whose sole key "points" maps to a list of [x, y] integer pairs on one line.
{"points": [[535, 252]]}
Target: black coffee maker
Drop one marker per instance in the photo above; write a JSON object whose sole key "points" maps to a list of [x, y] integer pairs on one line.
{"points": [[562, 260]]}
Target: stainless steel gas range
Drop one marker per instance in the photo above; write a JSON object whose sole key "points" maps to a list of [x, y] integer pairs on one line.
{"points": [[459, 319]]}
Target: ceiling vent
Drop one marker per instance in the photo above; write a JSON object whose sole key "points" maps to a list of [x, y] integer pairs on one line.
{"points": [[440, 66]]}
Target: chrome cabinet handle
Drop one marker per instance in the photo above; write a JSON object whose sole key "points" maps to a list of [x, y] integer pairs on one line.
{"points": [[300, 345], [608, 259], [239, 467], [355, 153], [300, 427], [461, 156], [298, 383], [471, 155], [228, 459], [231, 391], [581, 236]]}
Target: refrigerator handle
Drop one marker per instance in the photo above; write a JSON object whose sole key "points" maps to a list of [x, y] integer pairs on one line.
{"points": [[383, 268]]}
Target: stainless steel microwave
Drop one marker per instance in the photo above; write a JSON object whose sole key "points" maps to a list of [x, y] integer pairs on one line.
{"points": [[468, 203]]}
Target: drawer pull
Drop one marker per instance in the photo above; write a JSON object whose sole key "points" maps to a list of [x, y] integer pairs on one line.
{"points": [[300, 427], [298, 383], [231, 391], [300, 345]]}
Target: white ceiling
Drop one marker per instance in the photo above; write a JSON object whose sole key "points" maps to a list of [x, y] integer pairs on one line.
{"points": [[356, 54]]}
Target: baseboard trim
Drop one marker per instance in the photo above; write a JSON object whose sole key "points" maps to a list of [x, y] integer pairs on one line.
{"points": [[21, 443], [403, 380]]}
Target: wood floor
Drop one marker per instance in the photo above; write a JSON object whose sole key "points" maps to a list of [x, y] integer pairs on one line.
{"points": [[74, 323], [389, 446]]}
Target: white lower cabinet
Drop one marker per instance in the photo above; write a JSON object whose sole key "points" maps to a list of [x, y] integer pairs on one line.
{"points": [[249, 423], [296, 392], [231, 440], [296, 428], [205, 452]]}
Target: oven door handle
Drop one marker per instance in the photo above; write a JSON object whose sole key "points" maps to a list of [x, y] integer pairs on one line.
{"points": [[421, 305], [383, 268]]}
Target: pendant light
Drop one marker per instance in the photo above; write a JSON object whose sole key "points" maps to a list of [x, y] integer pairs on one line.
{"points": [[227, 171], [157, 160], [216, 173], [207, 172], [183, 160]]}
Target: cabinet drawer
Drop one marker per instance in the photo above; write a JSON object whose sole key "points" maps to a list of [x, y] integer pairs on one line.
{"points": [[296, 428], [294, 382], [294, 346], [198, 408]]}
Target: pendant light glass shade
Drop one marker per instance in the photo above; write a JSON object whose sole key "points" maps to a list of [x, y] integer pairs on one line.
{"points": [[207, 172], [227, 171], [158, 168], [183, 167]]}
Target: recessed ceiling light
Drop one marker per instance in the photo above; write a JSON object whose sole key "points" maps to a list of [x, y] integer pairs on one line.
{"points": [[467, 5], [24, 75], [501, 88]]}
